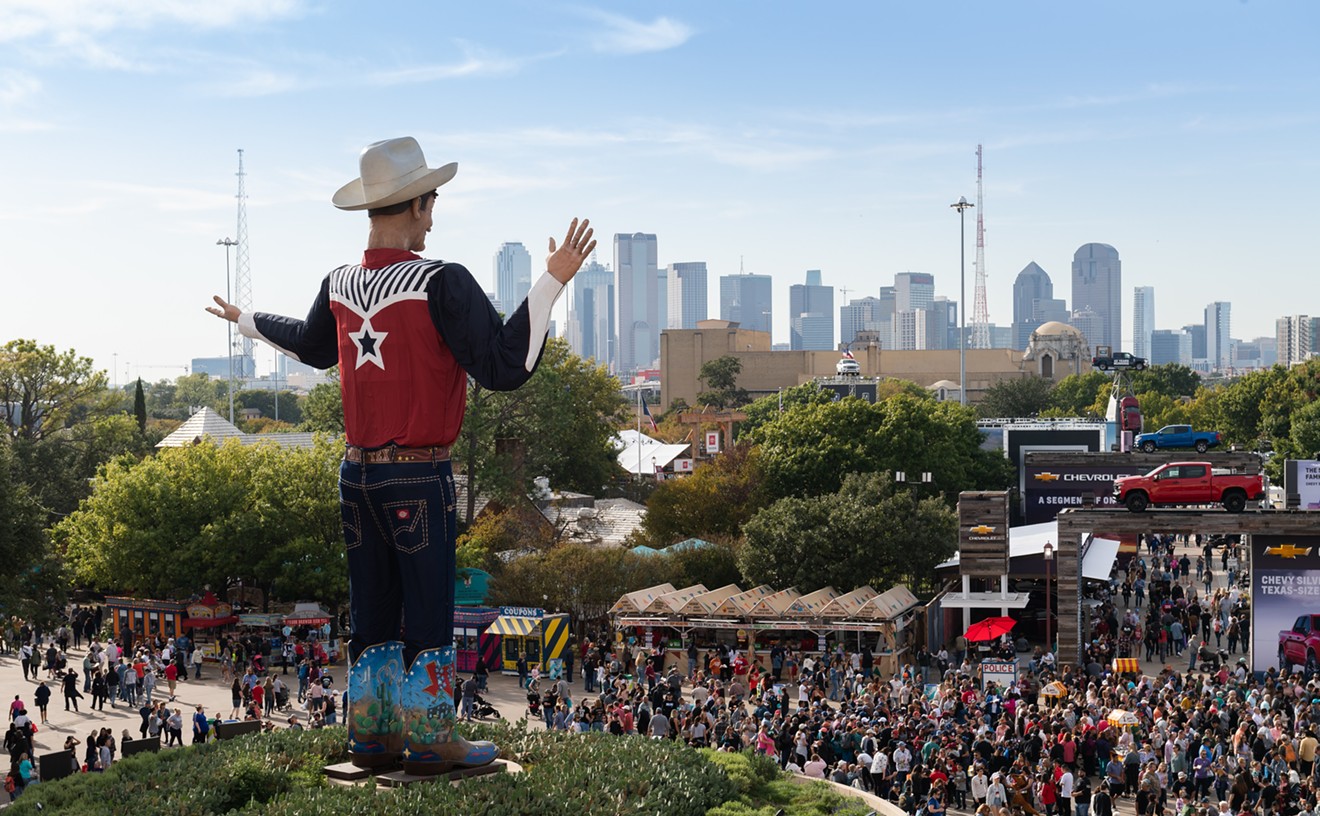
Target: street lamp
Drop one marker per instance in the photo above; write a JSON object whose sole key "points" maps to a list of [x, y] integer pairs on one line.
{"points": [[1049, 564], [962, 206], [229, 326]]}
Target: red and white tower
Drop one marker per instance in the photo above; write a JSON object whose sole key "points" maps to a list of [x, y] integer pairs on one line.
{"points": [[981, 309]]}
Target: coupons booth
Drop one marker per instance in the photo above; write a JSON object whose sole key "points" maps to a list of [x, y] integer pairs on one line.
{"points": [[527, 631]]}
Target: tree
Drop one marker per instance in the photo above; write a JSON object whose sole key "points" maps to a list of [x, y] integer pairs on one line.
{"points": [[31, 584], [720, 377], [564, 419], [582, 580], [284, 405], [203, 514], [1173, 380], [1027, 397], [140, 407], [714, 501], [323, 408], [1079, 395], [869, 532], [194, 391], [771, 406], [43, 391], [807, 451]]}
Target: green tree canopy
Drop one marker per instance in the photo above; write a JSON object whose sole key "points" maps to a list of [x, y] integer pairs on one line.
{"points": [[1081, 395], [1026, 397], [714, 501], [44, 391], [869, 532], [31, 584], [205, 514], [807, 451], [720, 377], [323, 408]]}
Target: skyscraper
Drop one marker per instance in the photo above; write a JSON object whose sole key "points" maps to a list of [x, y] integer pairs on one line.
{"points": [[1197, 332], [1143, 319], [860, 315], [811, 314], [914, 290], [636, 299], [1296, 338], [1097, 284], [1089, 323], [687, 294], [661, 300], [746, 299], [1031, 285], [513, 275], [1218, 349], [591, 312], [1168, 346]]}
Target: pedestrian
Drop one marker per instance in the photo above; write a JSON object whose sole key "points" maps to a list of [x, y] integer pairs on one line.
{"points": [[201, 725], [171, 677], [197, 659], [99, 691], [42, 698], [71, 693]]}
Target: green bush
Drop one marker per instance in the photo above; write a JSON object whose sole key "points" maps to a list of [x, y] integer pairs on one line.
{"points": [[280, 774]]}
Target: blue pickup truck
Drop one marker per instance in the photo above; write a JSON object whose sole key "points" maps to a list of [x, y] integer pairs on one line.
{"points": [[1177, 436]]}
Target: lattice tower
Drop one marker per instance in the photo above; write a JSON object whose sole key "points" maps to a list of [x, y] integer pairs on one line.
{"points": [[981, 309], [242, 272]]}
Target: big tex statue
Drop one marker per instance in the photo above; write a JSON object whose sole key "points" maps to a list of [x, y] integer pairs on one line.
{"points": [[406, 333]]}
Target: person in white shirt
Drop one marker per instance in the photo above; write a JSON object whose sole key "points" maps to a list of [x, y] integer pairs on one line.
{"points": [[815, 767], [902, 759], [980, 786], [1065, 793]]}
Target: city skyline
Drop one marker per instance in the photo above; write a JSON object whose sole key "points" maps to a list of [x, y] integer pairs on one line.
{"points": [[122, 125]]}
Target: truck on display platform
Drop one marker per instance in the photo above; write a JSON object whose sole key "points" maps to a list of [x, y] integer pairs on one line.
{"points": [[1118, 360], [1182, 483], [1300, 645], [1178, 436]]}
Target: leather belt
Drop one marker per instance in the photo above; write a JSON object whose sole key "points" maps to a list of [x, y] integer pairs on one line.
{"points": [[392, 454]]}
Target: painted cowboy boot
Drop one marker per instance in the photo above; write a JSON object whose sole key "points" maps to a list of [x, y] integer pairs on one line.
{"points": [[430, 744], [375, 710]]}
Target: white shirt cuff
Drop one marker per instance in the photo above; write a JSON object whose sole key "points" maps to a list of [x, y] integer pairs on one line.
{"points": [[540, 300]]}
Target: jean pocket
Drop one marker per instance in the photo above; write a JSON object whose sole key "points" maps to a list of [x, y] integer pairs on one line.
{"points": [[407, 522], [351, 522]]}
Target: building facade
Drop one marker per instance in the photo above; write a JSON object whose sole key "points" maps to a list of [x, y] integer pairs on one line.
{"points": [[513, 275], [1143, 319], [1097, 284], [1218, 325], [1169, 346], [746, 300], [636, 302], [811, 314], [590, 330], [687, 294], [1295, 338], [1031, 286]]}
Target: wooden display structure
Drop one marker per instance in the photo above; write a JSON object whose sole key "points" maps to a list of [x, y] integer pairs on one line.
{"points": [[983, 533]]}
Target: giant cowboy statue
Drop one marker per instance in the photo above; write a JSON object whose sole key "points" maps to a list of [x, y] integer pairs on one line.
{"points": [[406, 333]]}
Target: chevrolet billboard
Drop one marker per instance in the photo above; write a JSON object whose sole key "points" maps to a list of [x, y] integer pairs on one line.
{"points": [[1047, 490]]}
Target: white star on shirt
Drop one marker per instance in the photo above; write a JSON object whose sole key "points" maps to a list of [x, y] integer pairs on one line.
{"points": [[368, 342]]}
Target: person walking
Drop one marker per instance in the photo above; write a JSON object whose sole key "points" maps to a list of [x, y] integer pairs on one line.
{"points": [[171, 677], [71, 693]]}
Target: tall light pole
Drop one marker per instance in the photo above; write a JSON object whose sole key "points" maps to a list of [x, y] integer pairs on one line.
{"points": [[229, 326], [1049, 574], [962, 206]]}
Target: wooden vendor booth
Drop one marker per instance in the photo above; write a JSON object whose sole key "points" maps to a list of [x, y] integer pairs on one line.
{"points": [[136, 619], [207, 619], [755, 619]]}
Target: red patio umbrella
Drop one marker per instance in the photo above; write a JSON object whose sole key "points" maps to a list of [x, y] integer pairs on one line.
{"points": [[989, 629]]}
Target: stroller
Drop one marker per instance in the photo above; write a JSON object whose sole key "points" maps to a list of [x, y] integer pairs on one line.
{"points": [[282, 698], [484, 709], [533, 703]]}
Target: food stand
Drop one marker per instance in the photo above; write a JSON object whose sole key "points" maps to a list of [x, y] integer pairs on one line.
{"points": [[206, 619], [315, 619], [755, 618], [473, 641], [136, 619], [530, 631]]}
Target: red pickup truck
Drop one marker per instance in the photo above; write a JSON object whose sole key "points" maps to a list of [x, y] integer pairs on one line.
{"points": [[1189, 483], [1300, 645]]}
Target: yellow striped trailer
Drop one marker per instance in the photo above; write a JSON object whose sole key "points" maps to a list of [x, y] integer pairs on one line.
{"points": [[529, 631]]}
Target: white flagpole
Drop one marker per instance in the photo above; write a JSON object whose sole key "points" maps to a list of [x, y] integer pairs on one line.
{"points": [[639, 433]]}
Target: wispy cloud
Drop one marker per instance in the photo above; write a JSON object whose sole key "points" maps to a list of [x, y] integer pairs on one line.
{"points": [[162, 197], [30, 19], [17, 86], [475, 61], [623, 35]]}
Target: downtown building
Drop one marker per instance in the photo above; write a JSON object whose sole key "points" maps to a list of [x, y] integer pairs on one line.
{"points": [[686, 284], [1143, 319], [637, 299], [1296, 338], [590, 329], [1218, 343], [746, 300], [1034, 304], [811, 314], [1169, 346], [1097, 286], [513, 276]]}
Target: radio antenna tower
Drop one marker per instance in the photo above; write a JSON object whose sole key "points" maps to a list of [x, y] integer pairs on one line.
{"points": [[981, 310], [242, 274]]}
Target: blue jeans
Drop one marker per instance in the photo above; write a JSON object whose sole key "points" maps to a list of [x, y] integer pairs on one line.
{"points": [[399, 527]]}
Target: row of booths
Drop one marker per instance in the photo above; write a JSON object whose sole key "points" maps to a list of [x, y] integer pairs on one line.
{"points": [[135, 620], [754, 620]]}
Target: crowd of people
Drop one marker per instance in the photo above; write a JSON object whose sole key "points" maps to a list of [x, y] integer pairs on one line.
{"points": [[145, 677]]}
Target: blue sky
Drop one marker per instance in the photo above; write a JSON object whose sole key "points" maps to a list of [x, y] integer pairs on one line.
{"points": [[791, 137]]}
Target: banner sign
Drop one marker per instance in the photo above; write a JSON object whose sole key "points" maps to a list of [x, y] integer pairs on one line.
{"points": [[1047, 490], [1285, 588]]}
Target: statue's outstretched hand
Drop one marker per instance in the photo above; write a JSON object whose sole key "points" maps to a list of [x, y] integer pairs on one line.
{"points": [[565, 261], [228, 311]]}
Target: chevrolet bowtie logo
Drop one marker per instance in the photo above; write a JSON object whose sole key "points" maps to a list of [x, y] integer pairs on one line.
{"points": [[1047, 477], [981, 529], [1288, 550]]}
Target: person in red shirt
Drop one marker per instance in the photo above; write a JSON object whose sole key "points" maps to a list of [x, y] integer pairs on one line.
{"points": [[407, 333], [171, 677]]}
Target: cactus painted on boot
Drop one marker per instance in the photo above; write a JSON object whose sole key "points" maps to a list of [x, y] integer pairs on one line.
{"points": [[430, 745], [375, 710]]}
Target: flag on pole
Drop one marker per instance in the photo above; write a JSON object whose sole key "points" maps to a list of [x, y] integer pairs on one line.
{"points": [[646, 411]]}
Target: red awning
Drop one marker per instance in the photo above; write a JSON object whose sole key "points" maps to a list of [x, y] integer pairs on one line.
{"points": [[207, 623], [306, 621]]}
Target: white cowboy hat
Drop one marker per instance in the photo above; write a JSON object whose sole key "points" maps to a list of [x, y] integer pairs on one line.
{"points": [[392, 171]]}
